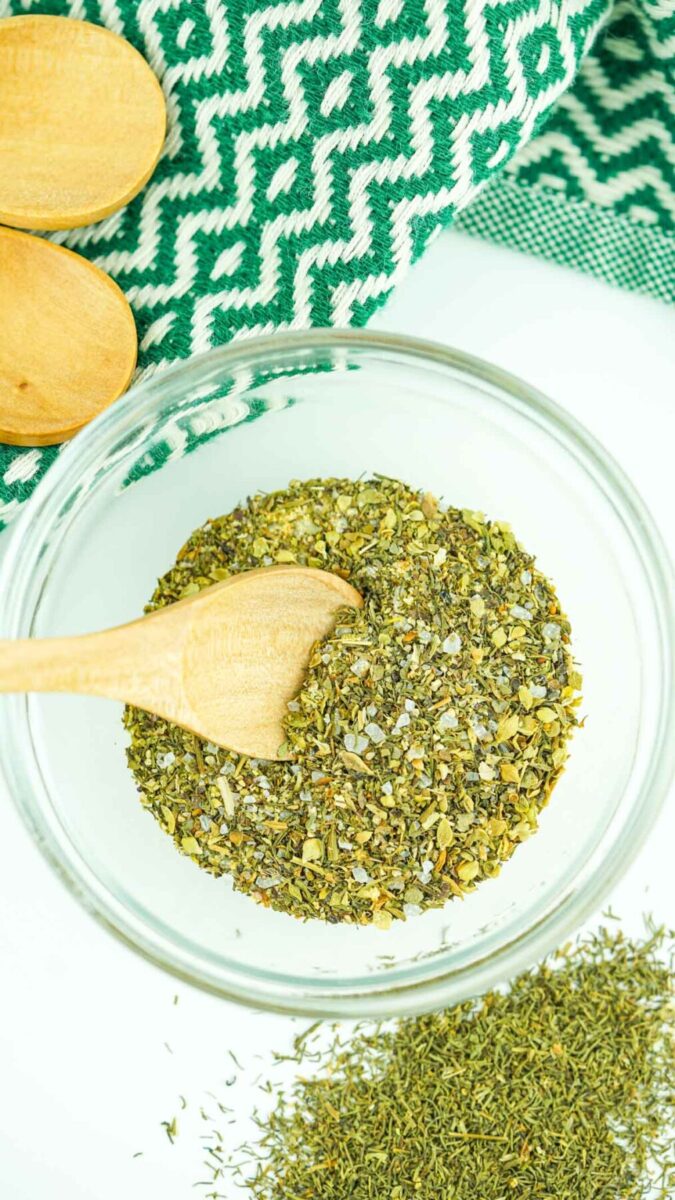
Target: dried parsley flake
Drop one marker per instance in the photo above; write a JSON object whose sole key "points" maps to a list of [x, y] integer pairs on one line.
{"points": [[429, 732]]}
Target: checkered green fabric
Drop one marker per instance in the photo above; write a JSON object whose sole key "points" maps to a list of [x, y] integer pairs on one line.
{"points": [[316, 146]]}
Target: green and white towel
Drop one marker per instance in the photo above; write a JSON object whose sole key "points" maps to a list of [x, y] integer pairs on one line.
{"points": [[595, 189], [316, 146]]}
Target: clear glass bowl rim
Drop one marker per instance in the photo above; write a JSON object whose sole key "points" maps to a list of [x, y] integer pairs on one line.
{"points": [[388, 996]]}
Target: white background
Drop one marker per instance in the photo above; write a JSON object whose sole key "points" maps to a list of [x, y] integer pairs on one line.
{"points": [[85, 1076]]}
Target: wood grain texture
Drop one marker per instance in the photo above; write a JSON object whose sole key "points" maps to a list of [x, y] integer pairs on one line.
{"points": [[67, 341], [223, 663], [82, 122]]}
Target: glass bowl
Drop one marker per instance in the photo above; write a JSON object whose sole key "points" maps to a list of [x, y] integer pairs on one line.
{"points": [[190, 443]]}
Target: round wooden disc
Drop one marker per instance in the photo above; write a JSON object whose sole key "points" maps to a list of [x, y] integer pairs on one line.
{"points": [[82, 122], [67, 341]]}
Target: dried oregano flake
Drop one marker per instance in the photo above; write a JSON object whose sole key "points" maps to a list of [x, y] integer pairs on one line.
{"points": [[429, 732]]}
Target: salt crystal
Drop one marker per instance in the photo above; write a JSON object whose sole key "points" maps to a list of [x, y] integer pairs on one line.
{"points": [[522, 614], [356, 743], [551, 631], [375, 733], [361, 667], [268, 881]]}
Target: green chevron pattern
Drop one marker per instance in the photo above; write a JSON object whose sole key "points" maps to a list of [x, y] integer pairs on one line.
{"points": [[316, 146], [596, 188]]}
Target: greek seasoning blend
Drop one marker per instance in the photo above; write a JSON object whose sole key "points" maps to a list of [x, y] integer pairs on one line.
{"points": [[431, 727]]}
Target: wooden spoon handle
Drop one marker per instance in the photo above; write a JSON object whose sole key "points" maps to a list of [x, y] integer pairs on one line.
{"points": [[80, 664], [132, 663], [222, 663]]}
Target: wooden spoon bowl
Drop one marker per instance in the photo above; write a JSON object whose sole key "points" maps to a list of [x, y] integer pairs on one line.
{"points": [[223, 663], [67, 341], [82, 122]]}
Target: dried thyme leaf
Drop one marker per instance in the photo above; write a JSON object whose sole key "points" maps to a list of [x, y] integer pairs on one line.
{"points": [[429, 732], [560, 1088]]}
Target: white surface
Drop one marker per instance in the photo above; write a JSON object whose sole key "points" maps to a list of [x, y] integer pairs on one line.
{"points": [[85, 1075]]}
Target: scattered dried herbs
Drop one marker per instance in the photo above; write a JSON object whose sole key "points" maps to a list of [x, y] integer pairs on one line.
{"points": [[431, 728], [560, 1088]]}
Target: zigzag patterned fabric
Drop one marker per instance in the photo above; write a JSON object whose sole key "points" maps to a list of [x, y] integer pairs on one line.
{"points": [[316, 146], [596, 189]]}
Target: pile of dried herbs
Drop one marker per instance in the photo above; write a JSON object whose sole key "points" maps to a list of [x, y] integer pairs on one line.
{"points": [[431, 728], [561, 1088]]}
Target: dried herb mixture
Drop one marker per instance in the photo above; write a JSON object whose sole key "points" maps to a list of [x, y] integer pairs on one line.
{"points": [[561, 1088], [431, 728]]}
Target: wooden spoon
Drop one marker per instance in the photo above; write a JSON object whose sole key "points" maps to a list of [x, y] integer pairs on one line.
{"points": [[67, 341], [82, 122], [223, 663]]}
